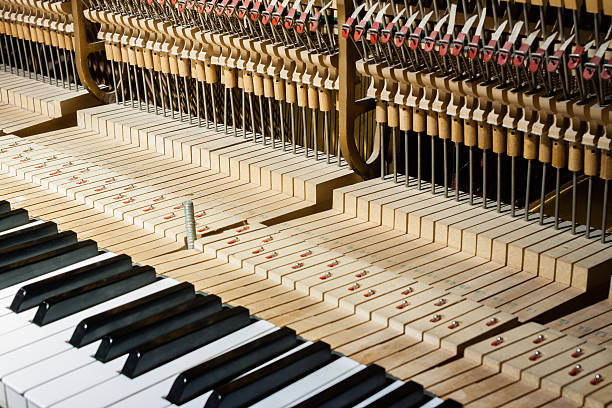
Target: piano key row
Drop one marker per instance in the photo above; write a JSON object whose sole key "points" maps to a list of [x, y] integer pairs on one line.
{"points": [[82, 327]]}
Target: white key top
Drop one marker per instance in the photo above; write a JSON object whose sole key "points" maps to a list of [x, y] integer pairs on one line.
{"points": [[380, 394], [32, 333], [7, 294], [153, 397], [21, 227], [433, 403], [13, 385], [33, 353], [14, 321], [50, 367], [85, 377], [77, 388], [312, 384], [54, 344]]}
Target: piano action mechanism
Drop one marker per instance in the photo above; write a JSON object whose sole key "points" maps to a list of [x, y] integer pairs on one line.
{"points": [[415, 191]]}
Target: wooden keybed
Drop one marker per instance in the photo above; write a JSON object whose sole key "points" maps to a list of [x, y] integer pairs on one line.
{"points": [[383, 270], [439, 380]]}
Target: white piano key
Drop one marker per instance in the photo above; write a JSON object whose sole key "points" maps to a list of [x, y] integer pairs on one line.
{"points": [[50, 368], [153, 397], [7, 294], [22, 227], [432, 403], [32, 353], [311, 384], [78, 388], [49, 346], [85, 377], [14, 321], [32, 333], [393, 386], [28, 355], [13, 401]]}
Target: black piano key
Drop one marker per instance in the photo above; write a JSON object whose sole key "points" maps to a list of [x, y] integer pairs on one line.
{"points": [[5, 207], [349, 391], [39, 265], [271, 378], [450, 403], [407, 396], [25, 235], [91, 294], [184, 340], [125, 339], [35, 247], [31, 295], [202, 378], [13, 219], [95, 327]]}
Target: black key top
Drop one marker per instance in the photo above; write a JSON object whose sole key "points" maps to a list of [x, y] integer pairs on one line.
{"points": [[271, 378], [425, 400], [31, 295], [349, 391], [13, 219], [407, 396], [5, 207], [35, 247], [28, 234], [86, 296], [41, 264], [450, 403], [95, 327], [124, 340], [212, 373], [184, 340]]}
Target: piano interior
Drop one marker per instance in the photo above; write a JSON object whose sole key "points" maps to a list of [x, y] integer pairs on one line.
{"points": [[223, 203]]}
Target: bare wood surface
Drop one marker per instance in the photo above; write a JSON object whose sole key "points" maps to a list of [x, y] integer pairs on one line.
{"points": [[411, 345]]}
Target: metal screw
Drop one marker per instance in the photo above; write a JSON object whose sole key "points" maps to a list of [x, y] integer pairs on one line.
{"points": [[189, 223]]}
